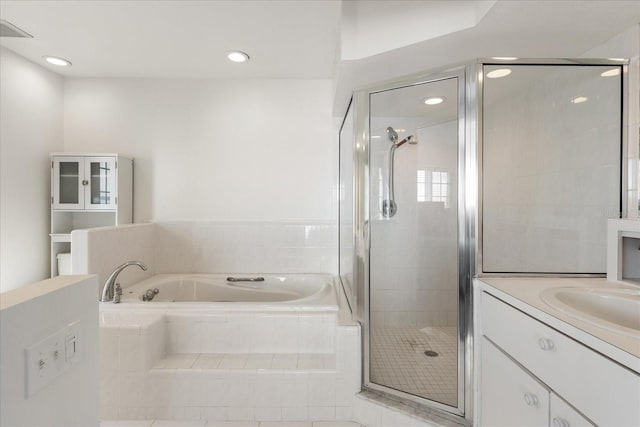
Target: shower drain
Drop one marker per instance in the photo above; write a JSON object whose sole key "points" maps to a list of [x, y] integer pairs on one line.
{"points": [[431, 353]]}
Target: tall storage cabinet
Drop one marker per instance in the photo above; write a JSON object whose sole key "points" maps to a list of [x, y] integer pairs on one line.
{"points": [[87, 190]]}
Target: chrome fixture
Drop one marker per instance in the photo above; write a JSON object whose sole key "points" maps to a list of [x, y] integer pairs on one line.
{"points": [[108, 293], [236, 281], [117, 294], [150, 294], [389, 207], [245, 279]]}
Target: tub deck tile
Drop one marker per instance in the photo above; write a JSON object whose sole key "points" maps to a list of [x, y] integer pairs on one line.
{"points": [[177, 361], [254, 362]]}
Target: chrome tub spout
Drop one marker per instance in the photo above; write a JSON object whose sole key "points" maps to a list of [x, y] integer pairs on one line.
{"points": [[108, 293]]}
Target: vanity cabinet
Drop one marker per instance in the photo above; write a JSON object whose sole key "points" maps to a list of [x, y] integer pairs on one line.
{"points": [[510, 396], [87, 190], [532, 374]]}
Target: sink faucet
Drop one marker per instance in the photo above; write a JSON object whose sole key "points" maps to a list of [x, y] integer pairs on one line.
{"points": [[108, 293]]}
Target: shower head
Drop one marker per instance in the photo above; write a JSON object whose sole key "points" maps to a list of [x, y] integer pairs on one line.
{"points": [[411, 139], [393, 137], [392, 134]]}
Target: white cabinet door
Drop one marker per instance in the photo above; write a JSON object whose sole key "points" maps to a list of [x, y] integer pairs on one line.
{"points": [[563, 415], [509, 396], [100, 183], [580, 375], [67, 179]]}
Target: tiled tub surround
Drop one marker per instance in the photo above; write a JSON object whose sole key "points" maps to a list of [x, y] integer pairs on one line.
{"points": [[246, 247], [228, 365], [206, 247]]}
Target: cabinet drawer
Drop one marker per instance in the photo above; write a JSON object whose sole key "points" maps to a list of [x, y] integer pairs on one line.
{"points": [[605, 392], [563, 415], [510, 397]]}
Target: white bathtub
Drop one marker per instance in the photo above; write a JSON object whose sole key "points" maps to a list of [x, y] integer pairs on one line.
{"points": [[291, 292]]}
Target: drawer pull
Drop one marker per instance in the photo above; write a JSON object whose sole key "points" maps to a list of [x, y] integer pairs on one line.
{"points": [[545, 344], [531, 399], [560, 422]]}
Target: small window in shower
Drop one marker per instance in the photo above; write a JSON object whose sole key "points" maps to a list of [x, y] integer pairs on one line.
{"points": [[433, 187], [440, 187], [422, 186]]}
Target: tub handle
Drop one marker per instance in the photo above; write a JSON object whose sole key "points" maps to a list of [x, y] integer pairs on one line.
{"points": [[245, 279]]}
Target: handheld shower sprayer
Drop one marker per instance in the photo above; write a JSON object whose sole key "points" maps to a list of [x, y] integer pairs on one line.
{"points": [[389, 207]]}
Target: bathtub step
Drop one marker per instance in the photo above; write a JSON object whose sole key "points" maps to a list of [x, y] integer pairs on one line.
{"points": [[248, 361]]}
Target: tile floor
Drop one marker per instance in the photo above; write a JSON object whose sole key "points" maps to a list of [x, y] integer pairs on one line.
{"points": [[158, 423], [398, 361]]}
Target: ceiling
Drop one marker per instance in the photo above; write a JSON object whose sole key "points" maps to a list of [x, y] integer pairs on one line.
{"points": [[304, 39], [523, 28], [179, 39]]}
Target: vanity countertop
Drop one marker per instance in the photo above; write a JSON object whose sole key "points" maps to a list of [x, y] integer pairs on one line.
{"points": [[523, 293]]}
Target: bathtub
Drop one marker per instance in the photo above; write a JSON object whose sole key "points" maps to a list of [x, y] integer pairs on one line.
{"points": [[213, 292]]}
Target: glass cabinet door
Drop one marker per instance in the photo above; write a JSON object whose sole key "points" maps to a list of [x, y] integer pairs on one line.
{"points": [[100, 178], [68, 192]]}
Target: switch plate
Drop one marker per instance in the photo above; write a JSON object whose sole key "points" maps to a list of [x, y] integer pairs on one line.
{"points": [[51, 356]]}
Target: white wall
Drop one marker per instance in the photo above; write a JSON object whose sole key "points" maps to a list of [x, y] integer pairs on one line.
{"points": [[27, 316], [30, 128], [213, 149]]}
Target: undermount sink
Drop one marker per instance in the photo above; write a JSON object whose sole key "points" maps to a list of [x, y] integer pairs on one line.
{"points": [[615, 309]]}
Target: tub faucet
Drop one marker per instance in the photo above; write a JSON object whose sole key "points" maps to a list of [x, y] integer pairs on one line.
{"points": [[108, 293]]}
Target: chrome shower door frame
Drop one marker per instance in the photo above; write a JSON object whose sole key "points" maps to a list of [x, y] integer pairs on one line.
{"points": [[466, 205], [476, 85]]}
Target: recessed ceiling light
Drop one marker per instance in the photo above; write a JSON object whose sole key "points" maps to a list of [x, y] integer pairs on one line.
{"points": [[578, 99], [611, 72], [237, 56], [60, 62], [501, 72], [504, 58], [616, 59], [434, 100]]}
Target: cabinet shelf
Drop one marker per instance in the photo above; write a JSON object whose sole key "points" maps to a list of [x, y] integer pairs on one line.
{"points": [[107, 201], [60, 237]]}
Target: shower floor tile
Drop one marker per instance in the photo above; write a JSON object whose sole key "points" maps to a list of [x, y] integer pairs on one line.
{"points": [[398, 360]]}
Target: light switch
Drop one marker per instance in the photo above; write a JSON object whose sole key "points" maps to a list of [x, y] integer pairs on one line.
{"points": [[71, 347]]}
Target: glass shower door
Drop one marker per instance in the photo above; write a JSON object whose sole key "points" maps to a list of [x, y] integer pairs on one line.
{"points": [[414, 279]]}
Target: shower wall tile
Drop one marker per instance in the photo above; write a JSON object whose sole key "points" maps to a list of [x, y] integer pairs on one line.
{"points": [[414, 254], [550, 167]]}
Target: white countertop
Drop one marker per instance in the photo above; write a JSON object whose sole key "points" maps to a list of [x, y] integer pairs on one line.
{"points": [[524, 294]]}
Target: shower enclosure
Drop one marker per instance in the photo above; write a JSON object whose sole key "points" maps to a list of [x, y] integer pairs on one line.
{"points": [[418, 155]]}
